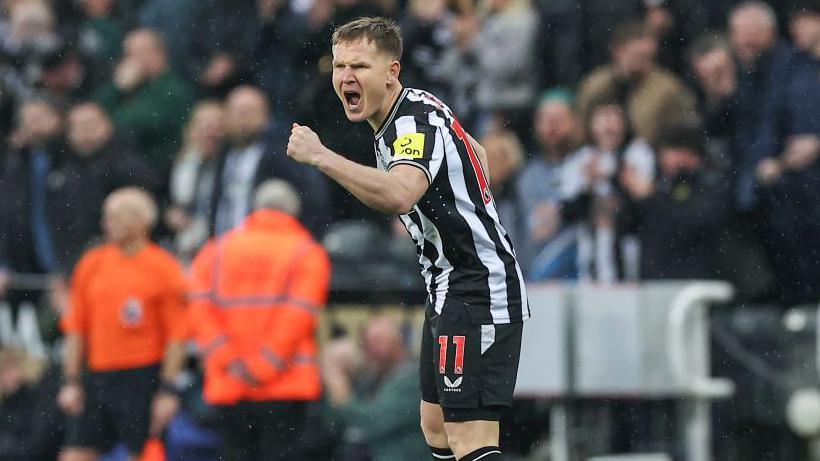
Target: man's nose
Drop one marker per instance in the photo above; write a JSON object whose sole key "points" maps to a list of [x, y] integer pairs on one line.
{"points": [[347, 75]]}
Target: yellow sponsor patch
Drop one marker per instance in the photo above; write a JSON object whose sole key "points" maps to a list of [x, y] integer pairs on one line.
{"points": [[409, 146]]}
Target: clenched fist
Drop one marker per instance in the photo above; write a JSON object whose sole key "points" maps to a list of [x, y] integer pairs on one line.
{"points": [[304, 145]]}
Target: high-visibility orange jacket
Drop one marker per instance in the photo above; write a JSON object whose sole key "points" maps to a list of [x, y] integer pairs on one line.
{"points": [[256, 295]]}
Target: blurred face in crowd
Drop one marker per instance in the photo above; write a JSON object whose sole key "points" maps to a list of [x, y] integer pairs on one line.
{"points": [[715, 71], [145, 49], [207, 129], [675, 161], [31, 21], [247, 115], [805, 32], [89, 129], [635, 57], [98, 8], [40, 122], [556, 128], [363, 77], [504, 157], [127, 216], [752, 33], [382, 343], [607, 127]]}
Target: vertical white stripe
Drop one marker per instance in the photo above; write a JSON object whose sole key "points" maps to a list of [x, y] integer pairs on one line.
{"points": [[438, 151], [442, 280], [485, 248], [404, 125]]}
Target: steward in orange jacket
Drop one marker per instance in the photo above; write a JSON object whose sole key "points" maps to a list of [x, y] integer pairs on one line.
{"points": [[257, 293]]}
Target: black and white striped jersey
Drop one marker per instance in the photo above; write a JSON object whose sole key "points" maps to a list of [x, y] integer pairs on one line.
{"points": [[464, 252]]}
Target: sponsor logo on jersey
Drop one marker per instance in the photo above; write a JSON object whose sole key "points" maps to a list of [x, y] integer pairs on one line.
{"points": [[409, 146]]}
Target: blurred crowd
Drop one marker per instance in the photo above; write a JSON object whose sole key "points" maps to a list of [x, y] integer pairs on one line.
{"points": [[628, 140]]}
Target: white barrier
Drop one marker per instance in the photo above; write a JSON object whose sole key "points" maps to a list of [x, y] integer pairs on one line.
{"points": [[623, 341]]}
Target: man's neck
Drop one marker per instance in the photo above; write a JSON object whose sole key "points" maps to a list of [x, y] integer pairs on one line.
{"points": [[132, 246], [377, 120]]}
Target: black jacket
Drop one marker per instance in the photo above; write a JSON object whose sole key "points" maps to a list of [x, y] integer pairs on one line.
{"points": [[275, 164], [680, 226], [77, 188]]}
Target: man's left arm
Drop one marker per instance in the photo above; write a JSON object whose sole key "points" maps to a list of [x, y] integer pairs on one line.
{"points": [[172, 317]]}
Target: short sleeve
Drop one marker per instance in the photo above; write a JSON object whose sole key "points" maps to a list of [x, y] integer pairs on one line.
{"points": [[418, 143]]}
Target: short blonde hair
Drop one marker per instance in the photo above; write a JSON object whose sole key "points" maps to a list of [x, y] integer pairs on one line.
{"points": [[277, 194], [138, 201]]}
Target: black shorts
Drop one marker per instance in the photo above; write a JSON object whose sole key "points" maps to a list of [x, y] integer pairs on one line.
{"points": [[117, 409], [473, 376]]}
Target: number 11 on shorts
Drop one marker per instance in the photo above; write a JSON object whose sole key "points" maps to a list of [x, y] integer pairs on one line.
{"points": [[443, 342]]}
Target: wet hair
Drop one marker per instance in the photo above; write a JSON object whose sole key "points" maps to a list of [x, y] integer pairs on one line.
{"points": [[707, 43], [382, 32], [685, 135], [627, 32]]}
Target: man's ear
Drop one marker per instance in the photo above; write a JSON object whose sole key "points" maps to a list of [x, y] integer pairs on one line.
{"points": [[393, 72]]}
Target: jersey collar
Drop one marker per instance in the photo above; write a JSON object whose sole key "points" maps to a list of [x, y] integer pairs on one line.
{"points": [[392, 114]]}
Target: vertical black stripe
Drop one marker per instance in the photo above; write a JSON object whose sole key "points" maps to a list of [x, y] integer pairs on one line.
{"points": [[431, 253]]}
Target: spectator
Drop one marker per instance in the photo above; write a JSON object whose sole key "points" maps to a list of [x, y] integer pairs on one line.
{"points": [[146, 100], [715, 74], [762, 65], [26, 38], [218, 58], [127, 301], [193, 177], [427, 34], [99, 39], [376, 400], [680, 215], [505, 157], [557, 135], [503, 45], [790, 180], [591, 194], [95, 166], [652, 96], [27, 237], [258, 291], [64, 75], [254, 153]]}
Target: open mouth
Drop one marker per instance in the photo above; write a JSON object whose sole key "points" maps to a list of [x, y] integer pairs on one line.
{"points": [[352, 98]]}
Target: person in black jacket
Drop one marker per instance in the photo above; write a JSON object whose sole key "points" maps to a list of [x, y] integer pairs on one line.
{"points": [[254, 153], [26, 240], [97, 165], [679, 217]]}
